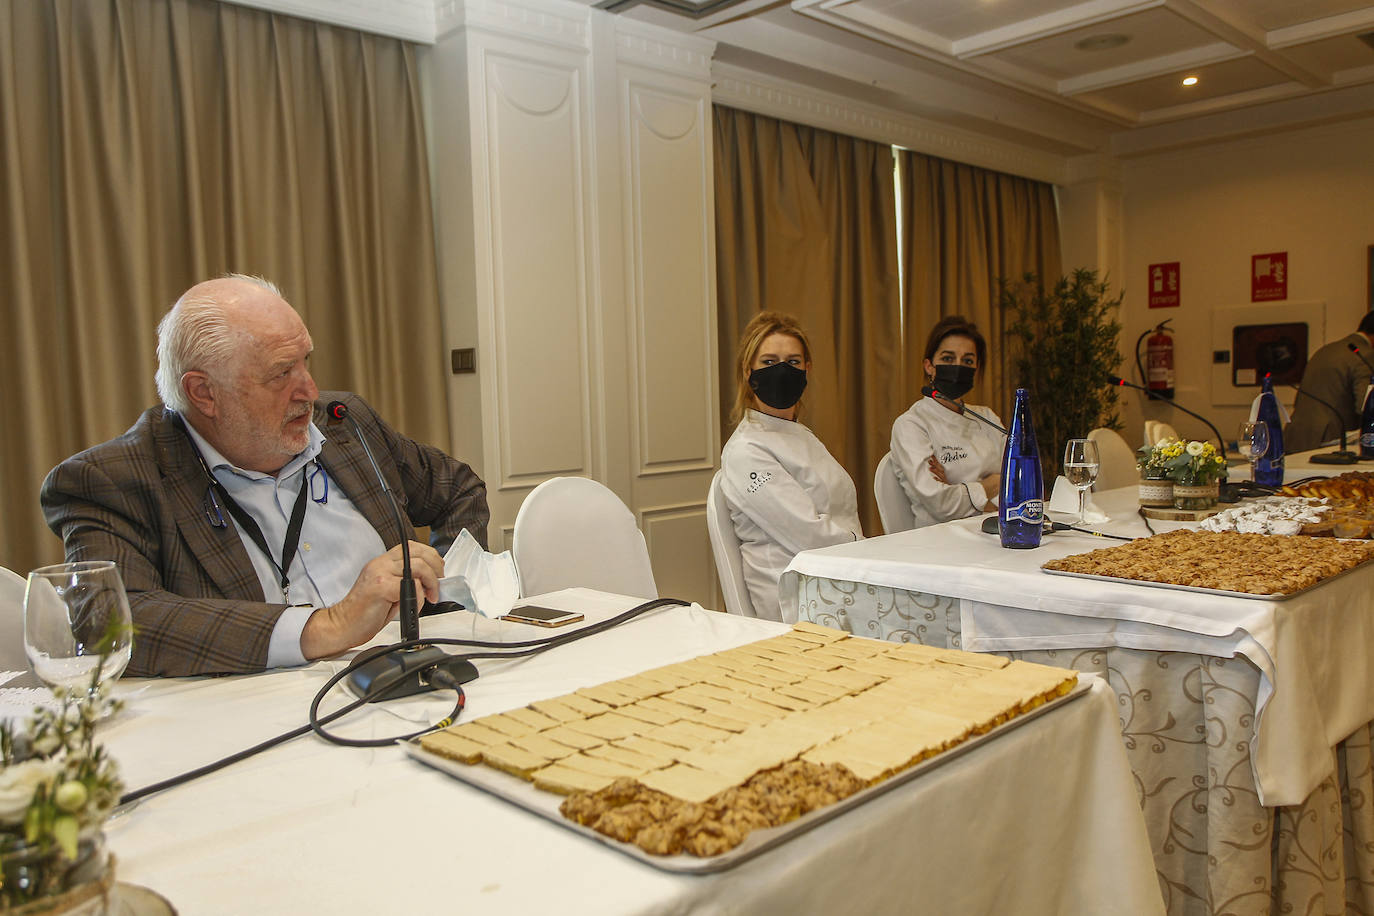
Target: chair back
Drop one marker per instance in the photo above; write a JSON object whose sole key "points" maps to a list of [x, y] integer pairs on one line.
{"points": [[1117, 467], [12, 656], [725, 548], [574, 532], [893, 507], [1156, 430]]}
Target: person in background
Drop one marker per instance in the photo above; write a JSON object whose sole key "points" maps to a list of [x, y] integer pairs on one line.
{"points": [[949, 465], [785, 491], [246, 536], [1338, 376]]}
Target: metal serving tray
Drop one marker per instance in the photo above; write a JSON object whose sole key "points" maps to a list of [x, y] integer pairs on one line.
{"points": [[519, 792], [1275, 596]]}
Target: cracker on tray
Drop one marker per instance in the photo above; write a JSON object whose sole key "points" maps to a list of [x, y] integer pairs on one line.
{"points": [[690, 757]]}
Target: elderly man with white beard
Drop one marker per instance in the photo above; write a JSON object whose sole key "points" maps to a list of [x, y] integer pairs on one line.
{"points": [[247, 536]]}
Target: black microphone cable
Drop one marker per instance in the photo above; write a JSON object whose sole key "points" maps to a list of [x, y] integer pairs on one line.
{"points": [[438, 676], [527, 648]]}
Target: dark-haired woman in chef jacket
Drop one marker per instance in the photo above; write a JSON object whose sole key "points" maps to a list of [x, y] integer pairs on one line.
{"points": [[949, 464]]}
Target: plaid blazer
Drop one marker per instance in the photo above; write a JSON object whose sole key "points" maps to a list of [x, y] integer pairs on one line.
{"points": [[197, 604]]}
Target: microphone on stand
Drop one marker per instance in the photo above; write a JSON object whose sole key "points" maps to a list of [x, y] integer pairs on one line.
{"points": [[930, 392], [411, 668], [1360, 353], [1344, 456], [1121, 382]]}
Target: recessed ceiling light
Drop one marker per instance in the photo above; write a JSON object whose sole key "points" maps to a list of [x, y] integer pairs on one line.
{"points": [[1104, 42], [1190, 81]]}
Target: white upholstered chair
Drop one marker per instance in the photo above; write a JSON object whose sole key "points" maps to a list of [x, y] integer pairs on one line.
{"points": [[574, 532], [1156, 430], [725, 548], [893, 507], [1117, 460], [12, 657]]}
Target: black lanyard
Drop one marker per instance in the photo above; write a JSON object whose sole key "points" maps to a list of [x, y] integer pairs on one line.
{"points": [[250, 524]]}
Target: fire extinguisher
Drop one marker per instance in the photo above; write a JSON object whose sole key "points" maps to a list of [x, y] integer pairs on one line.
{"points": [[1159, 362]]}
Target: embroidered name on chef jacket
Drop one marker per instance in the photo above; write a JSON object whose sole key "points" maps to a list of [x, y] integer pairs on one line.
{"points": [[757, 480], [949, 455]]}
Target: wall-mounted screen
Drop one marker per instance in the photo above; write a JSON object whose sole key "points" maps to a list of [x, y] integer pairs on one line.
{"points": [[1277, 348]]}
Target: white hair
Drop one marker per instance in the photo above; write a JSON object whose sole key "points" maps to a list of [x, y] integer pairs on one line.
{"points": [[197, 335]]}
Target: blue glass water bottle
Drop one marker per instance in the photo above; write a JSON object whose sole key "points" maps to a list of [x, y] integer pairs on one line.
{"points": [[1269, 466], [1367, 423], [1021, 506]]}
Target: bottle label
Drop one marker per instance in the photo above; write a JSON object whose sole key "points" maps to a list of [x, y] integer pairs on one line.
{"points": [[1367, 440], [1031, 511]]}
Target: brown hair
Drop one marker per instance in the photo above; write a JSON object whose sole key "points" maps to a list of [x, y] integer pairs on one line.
{"points": [[957, 326], [751, 341]]}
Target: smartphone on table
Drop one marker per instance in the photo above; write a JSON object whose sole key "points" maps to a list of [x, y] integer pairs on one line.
{"points": [[542, 616]]}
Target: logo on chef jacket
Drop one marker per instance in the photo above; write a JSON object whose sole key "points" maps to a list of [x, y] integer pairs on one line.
{"points": [[757, 480], [949, 454]]}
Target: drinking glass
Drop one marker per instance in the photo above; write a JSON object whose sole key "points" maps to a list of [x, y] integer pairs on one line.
{"points": [[1080, 467], [1252, 442], [77, 631]]}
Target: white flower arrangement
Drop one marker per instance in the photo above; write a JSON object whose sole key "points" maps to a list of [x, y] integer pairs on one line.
{"points": [[57, 788]]}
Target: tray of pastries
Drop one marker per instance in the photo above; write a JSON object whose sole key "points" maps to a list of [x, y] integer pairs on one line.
{"points": [[1221, 562], [1350, 497], [697, 766], [1273, 515]]}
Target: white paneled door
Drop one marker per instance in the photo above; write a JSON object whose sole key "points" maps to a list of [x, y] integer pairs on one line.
{"points": [[572, 164]]}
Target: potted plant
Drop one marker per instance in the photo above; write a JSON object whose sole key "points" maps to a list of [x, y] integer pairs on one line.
{"points": [[1156, 486], [1195, 468], [1064, 345], [57, 788]]}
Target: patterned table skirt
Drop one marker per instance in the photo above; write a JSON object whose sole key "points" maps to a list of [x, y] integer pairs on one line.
{"points": [[1187, 721]]}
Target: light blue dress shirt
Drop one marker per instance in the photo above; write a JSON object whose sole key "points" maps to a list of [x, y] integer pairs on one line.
{"points": [[337, 540]]}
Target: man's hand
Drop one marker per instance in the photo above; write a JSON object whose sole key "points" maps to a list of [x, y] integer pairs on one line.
{"points": [[937, 470], [372, 602]]}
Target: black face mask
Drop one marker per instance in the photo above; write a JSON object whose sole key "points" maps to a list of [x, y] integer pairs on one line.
{"points": [[779, 385], [953, 381]]}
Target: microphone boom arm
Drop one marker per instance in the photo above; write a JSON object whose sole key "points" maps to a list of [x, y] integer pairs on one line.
{"points": [[410, 611], [930, 392], [1121, 382]]}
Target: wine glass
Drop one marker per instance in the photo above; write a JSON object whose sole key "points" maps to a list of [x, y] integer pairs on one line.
{"points": [[1252, 442], [77, 631], [1080, 467]]}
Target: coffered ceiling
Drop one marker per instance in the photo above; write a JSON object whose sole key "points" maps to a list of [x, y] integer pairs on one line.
{"points": [[1114, 68], [1061, 78]]}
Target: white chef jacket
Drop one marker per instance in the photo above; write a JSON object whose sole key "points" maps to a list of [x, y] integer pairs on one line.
{"points": [[786, 494], [968, 450]]}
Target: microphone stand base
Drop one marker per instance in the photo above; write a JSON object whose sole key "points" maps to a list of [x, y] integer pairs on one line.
{"points": [[1335, 458], [410, 666]]}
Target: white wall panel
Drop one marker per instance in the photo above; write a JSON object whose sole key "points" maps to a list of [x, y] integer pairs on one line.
{"points": [[534, 146], [680, 552], [667, 194]]}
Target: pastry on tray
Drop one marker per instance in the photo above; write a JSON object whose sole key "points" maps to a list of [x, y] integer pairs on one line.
{"points": [[1229, 561]]}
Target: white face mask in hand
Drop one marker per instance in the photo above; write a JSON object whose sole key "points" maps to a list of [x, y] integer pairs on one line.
{"points": [[482, 582]]}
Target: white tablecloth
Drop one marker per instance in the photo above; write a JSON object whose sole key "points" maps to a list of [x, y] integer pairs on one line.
{"points": [[1042, 820], [1316, 682]]}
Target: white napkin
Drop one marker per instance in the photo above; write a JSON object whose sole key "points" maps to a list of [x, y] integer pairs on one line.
{"points": [[1064, 499], [482, 582], [1254, 409]]}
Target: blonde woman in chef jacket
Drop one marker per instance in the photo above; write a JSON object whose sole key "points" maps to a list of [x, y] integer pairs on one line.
{"points": [[949, 464], [785, 491]]}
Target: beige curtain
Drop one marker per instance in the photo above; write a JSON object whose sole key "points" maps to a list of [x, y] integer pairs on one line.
{"points": [[806, 224], [963, 229], [149, 144]]}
